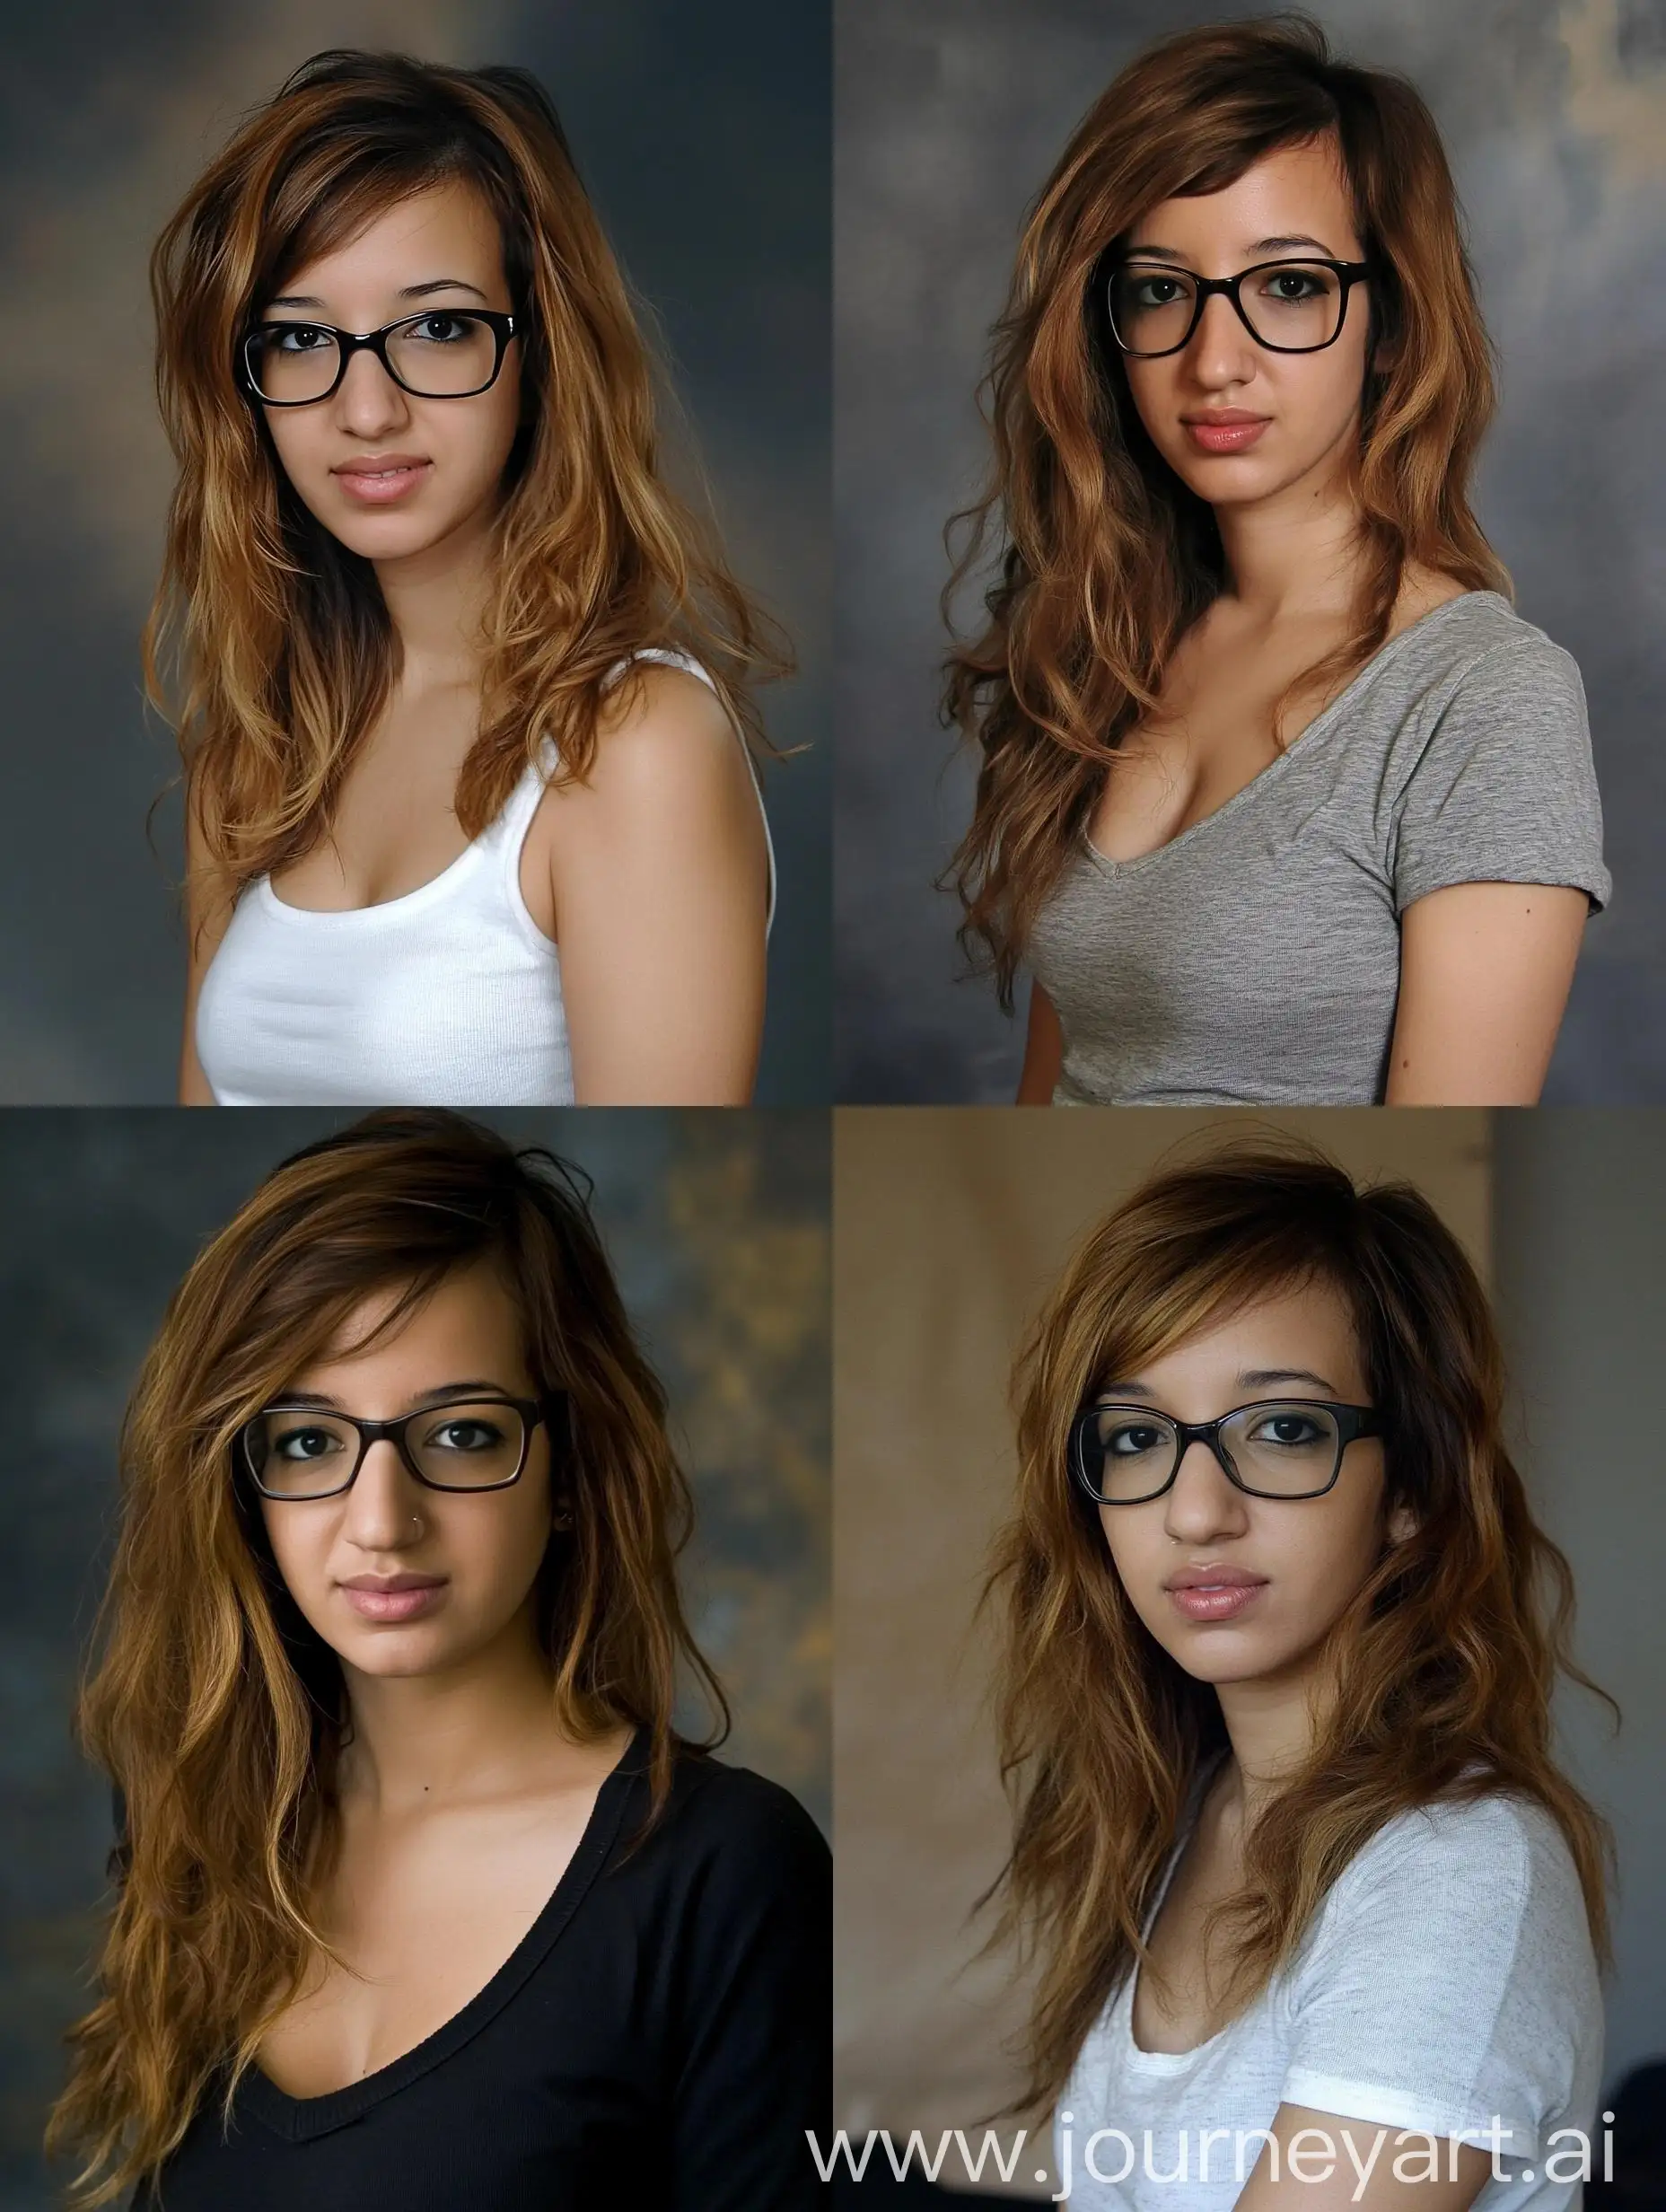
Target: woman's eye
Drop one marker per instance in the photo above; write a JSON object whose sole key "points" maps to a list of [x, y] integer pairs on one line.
{"points": [[440, 329], [1287, 1429], [1131, 1438], [290, 336], [470, 1436], [305, 1443]]}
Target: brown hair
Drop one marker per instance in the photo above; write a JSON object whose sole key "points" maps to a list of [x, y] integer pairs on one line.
{"points": [[1107, 559], [217, 1710], [1444, 1660], [286, 644]]}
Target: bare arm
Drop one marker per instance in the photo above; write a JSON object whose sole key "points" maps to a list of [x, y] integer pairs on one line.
{"points": [[1043, 1051], [1484, 973], [660, 882], [208, 903], [1349, 2165]]}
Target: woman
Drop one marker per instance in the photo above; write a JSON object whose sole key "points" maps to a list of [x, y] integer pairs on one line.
{"points": [[422, 1897], [1279, 798], [1276, 1707], [467, 816]]}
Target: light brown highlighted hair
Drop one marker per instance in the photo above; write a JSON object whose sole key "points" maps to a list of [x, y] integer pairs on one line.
{"points": [[216, 1709], [1103, 557], [1444, 1660], [282, 639]]}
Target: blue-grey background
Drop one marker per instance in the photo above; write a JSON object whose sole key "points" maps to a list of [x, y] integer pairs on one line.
{"points": [[949, 116], [703, 134], [716, 1222]]}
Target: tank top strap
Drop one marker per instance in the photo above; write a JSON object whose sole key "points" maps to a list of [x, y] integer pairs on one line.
{"points": [[508, 832], [671, 657]]}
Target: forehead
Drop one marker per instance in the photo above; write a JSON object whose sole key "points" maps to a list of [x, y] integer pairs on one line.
{"points": [[445, 231], [1310, 1327], [471, 1310], [1295, 191]]}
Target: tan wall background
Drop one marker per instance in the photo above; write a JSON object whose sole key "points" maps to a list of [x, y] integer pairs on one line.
{"points": [[950, 1225]]}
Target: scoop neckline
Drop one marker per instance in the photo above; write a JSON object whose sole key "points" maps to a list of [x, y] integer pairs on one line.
{"points": [[407, 901], [301, 2118], [1384, 652]]}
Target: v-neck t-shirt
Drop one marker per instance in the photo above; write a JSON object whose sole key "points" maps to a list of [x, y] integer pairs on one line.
{"points": [[661, 2038], [1447, 1977], [1254, 960]]}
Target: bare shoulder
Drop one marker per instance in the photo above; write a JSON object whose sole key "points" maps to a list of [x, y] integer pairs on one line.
{"points": [[668, 789], [660, 725]]}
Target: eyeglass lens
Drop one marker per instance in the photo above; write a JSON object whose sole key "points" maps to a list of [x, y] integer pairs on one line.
{"points": [[1295, 305], [1289, 1451], [461, 1447], [438, 355]]}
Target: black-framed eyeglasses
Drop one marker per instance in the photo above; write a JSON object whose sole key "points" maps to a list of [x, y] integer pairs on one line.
{"points": [[1277, 1447], [464, 1444], [1297, 306], [449, 352]]}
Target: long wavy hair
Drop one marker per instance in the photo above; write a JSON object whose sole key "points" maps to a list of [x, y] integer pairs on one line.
{"points": [[282, 640], [1103, 557], [217, 1710], [1443, 1662]]}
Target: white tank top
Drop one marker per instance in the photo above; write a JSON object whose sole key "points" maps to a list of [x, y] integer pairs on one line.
{"points": [[450, 995]]}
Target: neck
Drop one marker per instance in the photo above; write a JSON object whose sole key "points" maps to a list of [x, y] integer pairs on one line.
{"points": [[1295, 555], [436, 601], [1271, 1724], [486, 1727]]}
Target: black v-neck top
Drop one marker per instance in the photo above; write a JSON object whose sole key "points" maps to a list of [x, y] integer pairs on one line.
{"points": [[662, 2037]]}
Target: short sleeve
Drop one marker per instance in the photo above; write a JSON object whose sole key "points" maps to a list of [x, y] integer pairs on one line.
{"points": [[1504, 789], [757, 2061], [1449, 1979]]}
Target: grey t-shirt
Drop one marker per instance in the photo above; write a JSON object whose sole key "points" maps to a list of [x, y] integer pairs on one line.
{"points": [[1254, 960]]}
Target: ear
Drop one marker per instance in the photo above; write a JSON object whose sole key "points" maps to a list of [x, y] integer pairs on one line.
{"points": [[1402, 1523]]}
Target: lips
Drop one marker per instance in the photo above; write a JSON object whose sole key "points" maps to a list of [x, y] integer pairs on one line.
{"points": [[394, 1597], [394, 1582], [379, 478], [1225, 433], [379, 464], [1219, 1576]]}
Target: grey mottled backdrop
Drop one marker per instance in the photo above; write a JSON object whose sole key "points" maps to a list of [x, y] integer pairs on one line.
{"points": [[703, 133], [949, 115], [716, 1222]]}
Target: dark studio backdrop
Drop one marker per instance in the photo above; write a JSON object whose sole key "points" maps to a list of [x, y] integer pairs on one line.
{"points": [[950, 114], [702, 133], [716, 1225]]}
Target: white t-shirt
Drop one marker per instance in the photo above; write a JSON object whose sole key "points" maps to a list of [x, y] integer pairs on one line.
{"points": [[1447, 1977]]}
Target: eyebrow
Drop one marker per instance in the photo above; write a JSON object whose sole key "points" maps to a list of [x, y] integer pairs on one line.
{"points": [[320, 1401], [1261, 245], [1249, 1379], [410, 292]]}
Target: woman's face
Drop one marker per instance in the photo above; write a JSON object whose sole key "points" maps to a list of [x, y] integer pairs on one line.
{"points": [[478, 1552], [1292, 202], [437, 249], [1310, 1554]]}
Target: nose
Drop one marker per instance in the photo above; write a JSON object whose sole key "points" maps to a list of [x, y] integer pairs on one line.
{"points": [[379, 1507], [1204, 1501], [368, 402], [1220, 350]]}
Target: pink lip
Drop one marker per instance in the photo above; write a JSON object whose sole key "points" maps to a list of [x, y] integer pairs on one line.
{"points": [[1219, 434], [376, 486], [403, 1598], [1224, 1603]]}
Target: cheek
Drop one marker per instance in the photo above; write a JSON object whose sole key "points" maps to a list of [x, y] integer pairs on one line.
{"points": [[293, 439]]}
